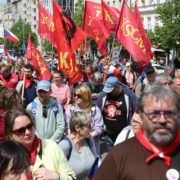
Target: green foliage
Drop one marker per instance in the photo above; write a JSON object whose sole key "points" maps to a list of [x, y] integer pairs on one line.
{"points": [[79, 13], [21, 30], [168, 35]]}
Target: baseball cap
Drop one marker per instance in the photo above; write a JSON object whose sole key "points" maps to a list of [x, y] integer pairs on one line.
{"points": [[43, 85], [110, 84]]}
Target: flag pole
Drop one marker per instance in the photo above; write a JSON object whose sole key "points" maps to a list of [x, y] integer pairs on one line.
{"points": [[52, 49], [109, 58]]}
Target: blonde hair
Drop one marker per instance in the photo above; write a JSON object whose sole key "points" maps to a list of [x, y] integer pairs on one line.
{"points": [[86, 96]]}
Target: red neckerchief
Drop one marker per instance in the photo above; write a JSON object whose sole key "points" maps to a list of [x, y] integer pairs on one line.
{"points": [[34, 152], [163, 153], [28, 82]]}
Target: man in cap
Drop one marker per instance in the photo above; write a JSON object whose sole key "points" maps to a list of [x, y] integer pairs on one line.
{"points": [[117, 103], [147, 81], [155, 151], [48, 114]]}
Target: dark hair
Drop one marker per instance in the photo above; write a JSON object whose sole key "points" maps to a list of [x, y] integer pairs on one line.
{"points": [[10, 117], [15, 153], [60, 73], [29, 66], [9, 98]]}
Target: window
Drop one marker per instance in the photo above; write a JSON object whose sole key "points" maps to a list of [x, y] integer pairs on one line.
{"points": [[156, 21], [149, 22]]}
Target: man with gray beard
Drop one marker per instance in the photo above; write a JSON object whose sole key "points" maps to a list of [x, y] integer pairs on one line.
{"points": [[154, 154]]}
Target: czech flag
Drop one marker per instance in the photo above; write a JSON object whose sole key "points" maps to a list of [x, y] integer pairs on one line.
{"points": [[5, 33]]}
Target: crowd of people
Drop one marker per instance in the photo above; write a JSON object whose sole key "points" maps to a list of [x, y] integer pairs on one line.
{"points": [[56, 129]]}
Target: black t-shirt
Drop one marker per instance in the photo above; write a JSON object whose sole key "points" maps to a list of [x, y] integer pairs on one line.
{"points": [[115, 114]]}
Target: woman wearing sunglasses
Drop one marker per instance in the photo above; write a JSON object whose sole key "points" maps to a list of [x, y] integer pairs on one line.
{"points": [[47, 160], [83, 103]]}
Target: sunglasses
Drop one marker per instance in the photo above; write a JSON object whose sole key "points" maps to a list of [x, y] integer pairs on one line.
{"points": [[44, 111], [78, 95], [22, 130]]}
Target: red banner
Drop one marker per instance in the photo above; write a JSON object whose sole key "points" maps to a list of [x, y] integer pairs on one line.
{"points": [[68, 37], [129, 35], [110, 16], [46, 26], [93, 23], [34, 57], [143, 32]]}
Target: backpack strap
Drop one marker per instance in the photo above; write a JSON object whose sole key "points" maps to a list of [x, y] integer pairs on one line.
{"points": [[34, 108], [66, 138], [93, 110], [54, 108]]}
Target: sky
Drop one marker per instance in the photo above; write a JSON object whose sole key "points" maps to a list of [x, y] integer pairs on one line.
{"points": [[2, 1]]}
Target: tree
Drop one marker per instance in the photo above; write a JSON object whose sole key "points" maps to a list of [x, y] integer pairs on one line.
{"points": [[168, 35], [21, 30], [79, 13]]}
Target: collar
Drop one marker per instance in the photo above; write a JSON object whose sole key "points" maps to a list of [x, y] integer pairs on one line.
{"points": [[163, 154]]}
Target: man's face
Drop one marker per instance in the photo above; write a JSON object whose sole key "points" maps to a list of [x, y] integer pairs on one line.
{"points": [[160, 120], [44, 96], [5, 72], [116, 91], [150, 76], [176, 85], [28, 73]]}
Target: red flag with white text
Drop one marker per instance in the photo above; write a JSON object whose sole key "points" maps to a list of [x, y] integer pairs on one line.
{"points": [[143, 32], [130, 36], [93, 23], [46, 26], [34, 57], [110, 16]]}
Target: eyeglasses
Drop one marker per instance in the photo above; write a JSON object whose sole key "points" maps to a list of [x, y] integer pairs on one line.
{"points": [[22, 130], [44, 111], [78, 95], [155, 115]]}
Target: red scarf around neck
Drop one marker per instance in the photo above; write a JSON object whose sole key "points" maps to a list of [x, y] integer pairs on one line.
{"points": [[34, 152], [164, 154], [28, 82]]}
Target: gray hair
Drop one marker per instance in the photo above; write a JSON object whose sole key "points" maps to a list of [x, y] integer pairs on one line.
{"points": [[162, 77], [97, 76], [80, 119], [159, 91]]}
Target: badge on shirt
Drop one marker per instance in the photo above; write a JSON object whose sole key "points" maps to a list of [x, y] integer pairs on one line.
{"points": [[172, 174]]}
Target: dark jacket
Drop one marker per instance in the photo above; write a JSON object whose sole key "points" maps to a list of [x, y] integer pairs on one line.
{"points": [[130, 99]]}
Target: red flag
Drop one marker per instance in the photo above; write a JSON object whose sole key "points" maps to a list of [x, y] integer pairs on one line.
{"points": [[35, 58], [110, 16], [129, 35], [93, 23], [68, 37], [46, 26], [143, 33]]}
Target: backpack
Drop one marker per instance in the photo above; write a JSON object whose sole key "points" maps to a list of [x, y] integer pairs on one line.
{"points": [[54, 108]]}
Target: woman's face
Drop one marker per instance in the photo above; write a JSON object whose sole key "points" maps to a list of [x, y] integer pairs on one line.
{"points": [[57, 79], [84, 131], [78, 98], [23, 131]]}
